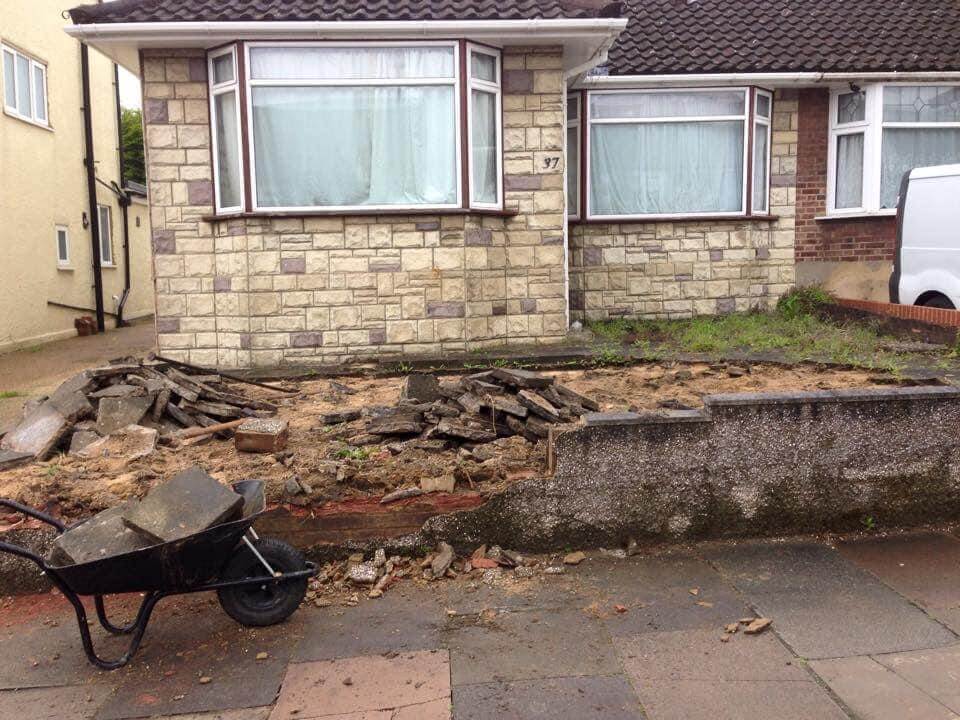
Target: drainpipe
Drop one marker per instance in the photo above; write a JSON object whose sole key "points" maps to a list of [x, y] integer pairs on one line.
{"points": [[90, 162], [124, 202]]}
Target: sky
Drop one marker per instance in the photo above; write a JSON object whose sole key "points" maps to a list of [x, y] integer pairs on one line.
{"points": [[129, 89]]}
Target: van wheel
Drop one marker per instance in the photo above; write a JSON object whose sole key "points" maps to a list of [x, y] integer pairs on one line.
{"points": [[937, 301]]}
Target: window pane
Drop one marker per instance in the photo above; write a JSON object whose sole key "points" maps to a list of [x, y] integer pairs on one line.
{"points": [[573, 171], [9, 91], [672, 104], [39, 95], [573, 109], [851, 107], [23, 85], [665, 168], [317, 146], [223, 68], [345, 63], [228, 150], [760, 143], [106, 249], [849, 190], [62, 250], [483, 156], [921, 103], [763, 105], [907, 148], [483, 67]]}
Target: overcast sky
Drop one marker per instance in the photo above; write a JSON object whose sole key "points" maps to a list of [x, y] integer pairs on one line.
{"points": [[129, 89]]}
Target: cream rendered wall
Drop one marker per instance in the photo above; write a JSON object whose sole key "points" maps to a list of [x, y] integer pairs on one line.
{"points": [[43, 184]]}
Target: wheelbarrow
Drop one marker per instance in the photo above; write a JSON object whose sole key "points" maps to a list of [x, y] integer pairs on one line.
{"points": [[259, 581]]}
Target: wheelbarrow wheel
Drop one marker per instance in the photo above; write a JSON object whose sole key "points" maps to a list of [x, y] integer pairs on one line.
{"points": [[257, 605]]}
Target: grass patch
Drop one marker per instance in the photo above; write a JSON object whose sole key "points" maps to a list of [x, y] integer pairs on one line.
{"points": [[4, 394], [792, 329]]}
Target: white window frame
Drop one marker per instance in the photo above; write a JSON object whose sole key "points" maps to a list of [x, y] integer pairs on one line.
{"points": [[14, 110], [455, 82], [872, 127], [217, 89], [494, 89], [767, 122], [744, 118], [574, 95], [62, 262], [104, 261]]}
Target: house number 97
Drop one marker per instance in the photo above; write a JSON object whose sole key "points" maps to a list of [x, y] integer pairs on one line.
{"points": [[551, 163]]}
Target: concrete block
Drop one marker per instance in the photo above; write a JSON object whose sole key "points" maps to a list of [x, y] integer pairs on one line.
{"points": [[189, 503], [261, 435]]}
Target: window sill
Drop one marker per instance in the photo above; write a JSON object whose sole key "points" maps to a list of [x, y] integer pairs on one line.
{"points": [[671, 218], [856, 216], [108, 266], [65, 268], [507, 213], [28, 121]]}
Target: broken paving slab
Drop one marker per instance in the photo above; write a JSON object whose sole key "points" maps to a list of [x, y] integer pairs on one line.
{"points": [[38, 433], [524, 379], [191, 502], [422, 387], [104, 535], [12, 458], [115, 413], [130, 443]]}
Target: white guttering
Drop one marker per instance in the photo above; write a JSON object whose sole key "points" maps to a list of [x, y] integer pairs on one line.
{"points": [[179, 32], [762, 79]]}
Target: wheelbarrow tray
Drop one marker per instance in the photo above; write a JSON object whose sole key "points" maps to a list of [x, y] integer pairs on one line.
{"points": [[173, 567]]}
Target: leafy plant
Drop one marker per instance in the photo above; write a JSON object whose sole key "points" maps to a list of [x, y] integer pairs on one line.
{"points": [[803, 301], [353, 453], [869, 522], [609, 355], [131, 129]]}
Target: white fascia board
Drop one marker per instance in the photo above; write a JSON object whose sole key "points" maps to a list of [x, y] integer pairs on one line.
{"points": [[582, 38], [772, 80]]}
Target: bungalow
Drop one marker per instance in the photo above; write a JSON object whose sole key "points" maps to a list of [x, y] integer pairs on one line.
{"points": [[337, 179]]}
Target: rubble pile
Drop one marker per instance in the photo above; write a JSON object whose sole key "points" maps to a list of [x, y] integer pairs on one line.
{"points": [[127, 403], [474, 410]]}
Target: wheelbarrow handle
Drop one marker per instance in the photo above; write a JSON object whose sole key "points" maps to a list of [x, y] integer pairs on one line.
{"points": [[30, 512], [24, 553]]}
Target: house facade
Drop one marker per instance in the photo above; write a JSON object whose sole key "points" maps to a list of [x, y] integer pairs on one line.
{"points": [[350, 180], [46, 214]]}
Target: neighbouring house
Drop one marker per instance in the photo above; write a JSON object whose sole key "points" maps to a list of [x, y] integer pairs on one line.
{"points": [[49, 223], [335, 180]]}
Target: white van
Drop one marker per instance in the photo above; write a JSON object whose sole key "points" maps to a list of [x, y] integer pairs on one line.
{"points": [[926, 263]]}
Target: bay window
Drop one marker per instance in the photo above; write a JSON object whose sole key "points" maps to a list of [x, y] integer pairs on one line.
{"points": [[338, 127], [665, 153], [878, 133]]}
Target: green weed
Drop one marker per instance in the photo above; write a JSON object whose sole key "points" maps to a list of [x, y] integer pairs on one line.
{"points": [[4, 394], [353, 453]]}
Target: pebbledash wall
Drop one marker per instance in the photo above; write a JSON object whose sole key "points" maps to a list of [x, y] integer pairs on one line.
{"points": [[273, 291], [678, 269]]}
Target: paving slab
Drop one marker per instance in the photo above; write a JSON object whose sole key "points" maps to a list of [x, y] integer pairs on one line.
{"points": [[503, 590], [920, 566], [401, 620], [365, 684], [241, 714], [100, 536], [822, 605], [874, 692], [935, 672], [700, 655], [53, 703], [741, 700], [567, 698], [656, 593], [114, 413], [190, 638], [529, 645]]}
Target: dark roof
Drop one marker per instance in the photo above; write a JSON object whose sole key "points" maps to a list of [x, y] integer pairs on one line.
{"points": [[721, 36], [145, 11]]}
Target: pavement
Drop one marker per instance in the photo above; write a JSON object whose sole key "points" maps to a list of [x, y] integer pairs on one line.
{"points": [[39, 369], [862, 629]]}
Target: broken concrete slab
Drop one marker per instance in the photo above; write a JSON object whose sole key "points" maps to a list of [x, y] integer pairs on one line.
{"points": [[538, 405], [121, 390], [189, 503], [38, 433], [422, 387], [130, 442], [449, 428], [115, 413], [397, 424], [104, 535], [12, 458], [81, 439], [339, 417], [261, 435], [521, 378], [505, 405]]}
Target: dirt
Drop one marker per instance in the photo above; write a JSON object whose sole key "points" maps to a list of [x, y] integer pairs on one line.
{"points": [[322, 458]]}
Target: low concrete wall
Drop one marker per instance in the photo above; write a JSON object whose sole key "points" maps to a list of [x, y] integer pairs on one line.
{"points": [[749, 464]]}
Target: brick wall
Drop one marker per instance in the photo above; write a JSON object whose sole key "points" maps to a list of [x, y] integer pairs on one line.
{"points": [[678, 269], [832, 240], [267, 292]]}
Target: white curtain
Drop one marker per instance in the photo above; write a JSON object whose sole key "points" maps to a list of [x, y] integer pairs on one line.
{"points": [[665, 168], [23, 86], [350, 63], [666, 104], [908, 148], [228, 149], [849, 190], [333, 146], [760, 139], [483, 158]]}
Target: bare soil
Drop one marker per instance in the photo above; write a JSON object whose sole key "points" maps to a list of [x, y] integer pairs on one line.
{"points": [[323, 459]]}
